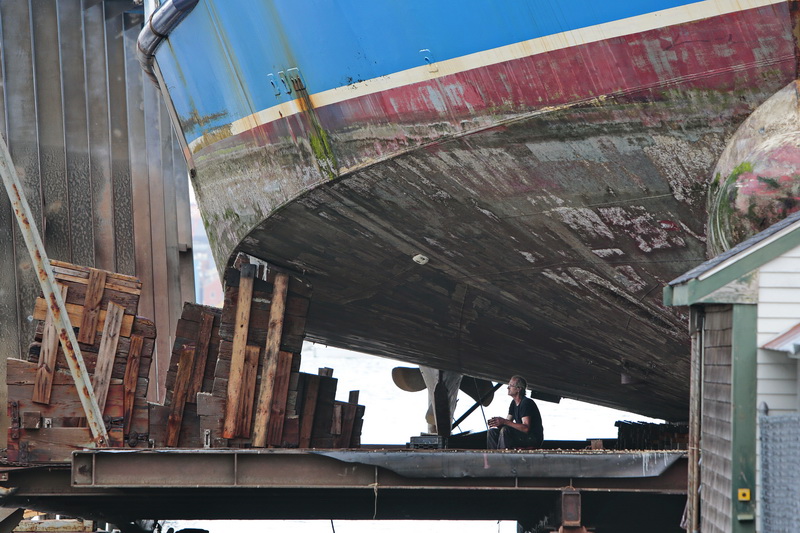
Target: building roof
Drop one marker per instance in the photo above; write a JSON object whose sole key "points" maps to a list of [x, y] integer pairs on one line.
{"points": [[771, 231]]}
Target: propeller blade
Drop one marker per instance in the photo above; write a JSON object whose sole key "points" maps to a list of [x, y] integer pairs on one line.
{"points": [[408, 379]]}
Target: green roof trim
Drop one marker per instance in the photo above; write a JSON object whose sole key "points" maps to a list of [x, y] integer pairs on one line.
{"points": [[694, 290]]}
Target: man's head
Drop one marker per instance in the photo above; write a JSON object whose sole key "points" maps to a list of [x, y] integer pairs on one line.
{"points": [[517, 384]]}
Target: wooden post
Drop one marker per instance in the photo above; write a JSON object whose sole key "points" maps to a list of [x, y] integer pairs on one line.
{"points": [[269, 368], [91, 306], [200, 356], [239, 346], [185, 365], [130, 380], [249, 374], [107, 352], [280, 389], [47, 358]]}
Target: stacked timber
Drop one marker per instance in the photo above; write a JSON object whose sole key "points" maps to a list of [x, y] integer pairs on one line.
{"points": [[46, 415], [234, 378], [649, 436]]}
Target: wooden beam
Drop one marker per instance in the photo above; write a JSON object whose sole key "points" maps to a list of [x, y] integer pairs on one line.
{"points": [[91, 306], [75, 313], [131, 379], [107, 352], [185, 366], [239, 347], [200, 356], [269, 368], [47, 357]]}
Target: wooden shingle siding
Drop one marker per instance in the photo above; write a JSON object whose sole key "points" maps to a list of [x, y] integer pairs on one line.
{"points": [[715, 440]]}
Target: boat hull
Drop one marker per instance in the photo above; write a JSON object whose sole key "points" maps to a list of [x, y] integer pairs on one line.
{"points": [[554, 184]]}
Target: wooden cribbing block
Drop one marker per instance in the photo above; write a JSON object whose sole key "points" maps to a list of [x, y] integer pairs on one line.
{"points": [[131, 379], [280, 391], [269, 368], [239, 350], [321, 434], [245, 416], [355, 439], [349, 411], [200, 356], [336, 419], [108, 349], [64, 402], [47, 357], [309, 408], [211, 412], [75, 313], [91, 306], [185, 368], [189, 435], [291, 432], [49, 445], [80, 274]]}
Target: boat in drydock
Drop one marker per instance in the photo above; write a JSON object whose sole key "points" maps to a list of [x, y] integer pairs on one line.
{"points": [[489, 187]]}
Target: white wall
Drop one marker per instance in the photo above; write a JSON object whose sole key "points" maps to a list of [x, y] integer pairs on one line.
{"points": [[778, 311]]}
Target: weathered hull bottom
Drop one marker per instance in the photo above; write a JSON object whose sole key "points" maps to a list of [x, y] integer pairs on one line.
{"points": [[554, 195], [560, 282]]}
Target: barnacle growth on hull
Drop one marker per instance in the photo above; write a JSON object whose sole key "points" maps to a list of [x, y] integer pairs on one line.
{"points": [[757, 179]]}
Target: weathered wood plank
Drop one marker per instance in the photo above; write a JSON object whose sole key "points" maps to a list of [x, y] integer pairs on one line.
{"points": [[75, 313], [65, 408], [336, 421], [211, 410], [185, 368], [271, 358], [130, 380], [108, 349], [49, 445], [113, 412], [279, 395], [321, 434], [239, 350], [90, 358], [311, 386], [245, 416], [81, 274], [355, 439], [47, 357], [201, 355], [291, 432], [349, 411], [91, 306]]}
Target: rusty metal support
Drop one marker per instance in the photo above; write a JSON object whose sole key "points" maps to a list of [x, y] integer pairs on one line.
{"points": [[52, 295], [571, 512]]}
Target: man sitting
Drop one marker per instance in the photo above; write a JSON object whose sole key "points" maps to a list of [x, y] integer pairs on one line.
{"points": [[522, 428]]}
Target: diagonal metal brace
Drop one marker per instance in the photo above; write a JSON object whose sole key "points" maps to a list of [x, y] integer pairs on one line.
{"points": [[52, 295]]}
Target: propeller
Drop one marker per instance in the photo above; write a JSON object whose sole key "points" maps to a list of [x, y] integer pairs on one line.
{"points": [[410, 379]]}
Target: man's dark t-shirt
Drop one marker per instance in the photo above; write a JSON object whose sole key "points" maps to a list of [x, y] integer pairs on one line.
{"points": [[527, 407]]}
